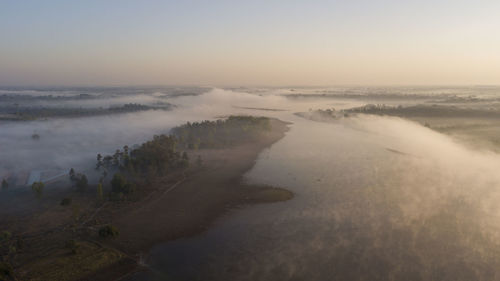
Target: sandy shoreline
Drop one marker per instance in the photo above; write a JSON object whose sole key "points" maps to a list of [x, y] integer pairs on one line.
{"points": [[192, 203]]}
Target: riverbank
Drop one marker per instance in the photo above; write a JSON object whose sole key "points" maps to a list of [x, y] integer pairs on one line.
{"points": [[52, 241], [191, 204]]}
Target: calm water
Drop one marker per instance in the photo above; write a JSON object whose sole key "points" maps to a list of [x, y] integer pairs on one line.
{"points": [[376, 199]]}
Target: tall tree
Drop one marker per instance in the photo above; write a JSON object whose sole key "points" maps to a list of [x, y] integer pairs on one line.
{"points": [[5, 184], [99, 161], [72, 174]]}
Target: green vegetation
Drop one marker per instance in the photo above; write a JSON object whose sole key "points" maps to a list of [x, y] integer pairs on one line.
{"points": [[87, 259], [108, 231], [5, 236], [6, 271], [164, 153], [66, 202], [156, 157], [37, 188], [21, 113], [127, 167], [220, 133], [119, 184], [425, 110]]}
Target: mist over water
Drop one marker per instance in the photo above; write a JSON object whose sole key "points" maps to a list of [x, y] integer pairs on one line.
{"points": [[377, 198], [75, 142]]}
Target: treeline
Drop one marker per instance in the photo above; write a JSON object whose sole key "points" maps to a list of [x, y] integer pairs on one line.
{"points": [[155, 157], [421, 110], [32, 113], [165, 153], [168, 153], [220, 133]]}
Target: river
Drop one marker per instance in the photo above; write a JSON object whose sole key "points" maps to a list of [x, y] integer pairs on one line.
{"points": [[376, 198]]}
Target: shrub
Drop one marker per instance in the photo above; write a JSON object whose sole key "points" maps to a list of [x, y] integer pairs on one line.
{"points": [[108, 231], [116, 196], [66, 202], [6, 270], [37, 188], [73, 246], [5, 236]]}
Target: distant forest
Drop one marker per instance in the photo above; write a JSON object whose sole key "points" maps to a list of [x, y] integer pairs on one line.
{"points": [[20, 113], [220, 133], [422, 110]]}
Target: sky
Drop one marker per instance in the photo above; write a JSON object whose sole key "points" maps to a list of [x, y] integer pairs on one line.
{"points": [[249, 43]]}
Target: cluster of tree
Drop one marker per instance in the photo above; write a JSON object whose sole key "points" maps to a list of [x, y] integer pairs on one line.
{"points": [[130, 107], [327, 113], [426, 110], [79, 180], [373, 95], [120, 185], [155, 157], [120, 159], [20, 113], [163, 154], [220, 133], [14, 98]]}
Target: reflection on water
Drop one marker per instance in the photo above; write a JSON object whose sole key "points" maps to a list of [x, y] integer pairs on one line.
{"points": [[376, 199]]}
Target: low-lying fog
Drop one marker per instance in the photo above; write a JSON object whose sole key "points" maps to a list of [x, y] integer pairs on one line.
{"points": [[75, 142], [377, 198]]}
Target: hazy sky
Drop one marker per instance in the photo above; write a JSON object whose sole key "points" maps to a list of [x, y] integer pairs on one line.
{"points": [[366, 42]]}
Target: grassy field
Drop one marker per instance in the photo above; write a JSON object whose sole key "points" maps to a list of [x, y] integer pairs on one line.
{"points": [[64, 264]]}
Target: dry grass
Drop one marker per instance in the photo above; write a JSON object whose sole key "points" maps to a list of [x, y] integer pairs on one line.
{"points": [[64, 265]]}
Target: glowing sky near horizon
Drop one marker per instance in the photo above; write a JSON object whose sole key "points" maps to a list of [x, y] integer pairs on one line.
{"points": [[364, 42]]}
